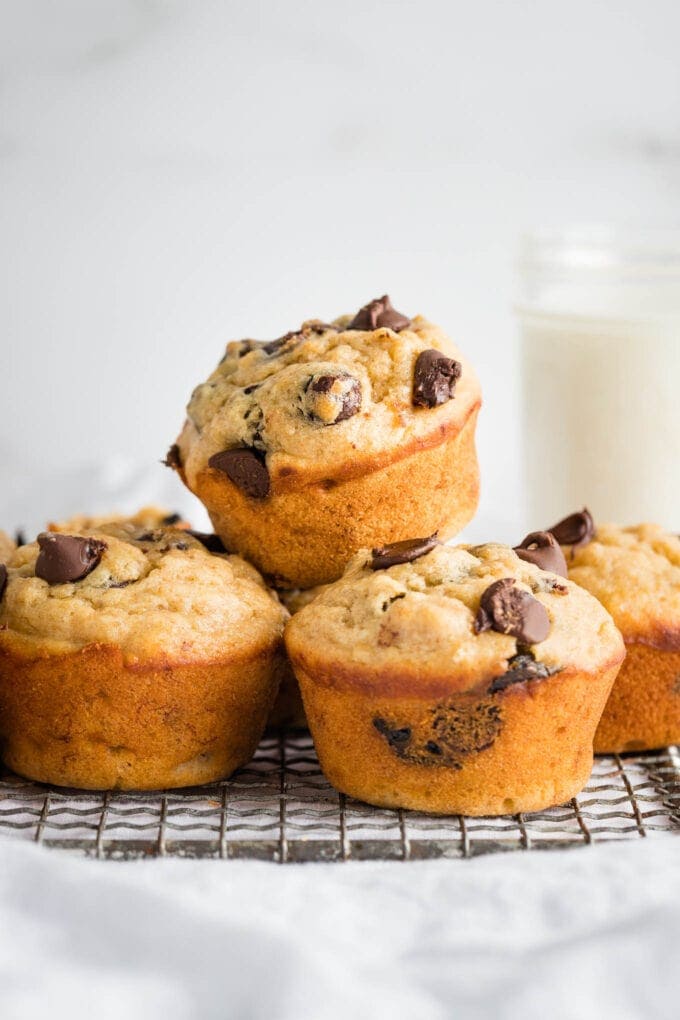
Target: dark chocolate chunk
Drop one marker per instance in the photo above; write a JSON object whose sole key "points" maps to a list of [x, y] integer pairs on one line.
{"points": [[520, 668], [172, 458], [64, 558], [245, 468], [401, 552], [3, 579], [213, 543], [509, 610], [434, 378], [576, 529], [251, 389], [19, 538], [378, 314], [171, 519], [543, 550], [332, 398]]}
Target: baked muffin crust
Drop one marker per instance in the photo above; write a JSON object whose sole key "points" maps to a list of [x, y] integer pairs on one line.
{"points": [[328, 396], [635, 573], [419, 617], [155, 594]]}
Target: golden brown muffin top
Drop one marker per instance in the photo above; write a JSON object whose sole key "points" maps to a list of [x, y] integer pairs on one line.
{"points": [[157, 594], [635, 574], [466, 611], [148, 517], [329, 393]]}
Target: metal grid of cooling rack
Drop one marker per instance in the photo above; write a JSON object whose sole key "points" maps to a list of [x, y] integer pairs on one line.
{"points": [[280, 808]]}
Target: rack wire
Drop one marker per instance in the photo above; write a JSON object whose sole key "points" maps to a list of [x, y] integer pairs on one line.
{"points": [[281, 808]]}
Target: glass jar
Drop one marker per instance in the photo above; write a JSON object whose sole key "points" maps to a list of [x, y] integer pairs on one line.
{"points": [[600, 355]]}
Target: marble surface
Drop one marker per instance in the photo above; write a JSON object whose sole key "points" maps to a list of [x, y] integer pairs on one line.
{"points": [[176, 174]]}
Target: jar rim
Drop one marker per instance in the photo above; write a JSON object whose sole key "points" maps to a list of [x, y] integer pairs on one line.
{"points": [[602, 250]]}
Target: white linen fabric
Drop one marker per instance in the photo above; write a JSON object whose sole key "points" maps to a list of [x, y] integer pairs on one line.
{"points": [[590, 932]]}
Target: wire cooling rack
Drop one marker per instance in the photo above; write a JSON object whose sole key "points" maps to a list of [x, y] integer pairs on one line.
{"points": [[280, 808]]}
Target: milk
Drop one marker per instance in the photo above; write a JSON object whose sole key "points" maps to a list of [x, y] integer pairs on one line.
{"points": [[600, 349]]}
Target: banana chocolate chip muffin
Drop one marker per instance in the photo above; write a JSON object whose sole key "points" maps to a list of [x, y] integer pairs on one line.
{"points": [[133, 658], [635, 574], [332, 438], [454, 679]]}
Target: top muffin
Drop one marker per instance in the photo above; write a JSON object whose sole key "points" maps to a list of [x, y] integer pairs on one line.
{"points": [[326, 395]]}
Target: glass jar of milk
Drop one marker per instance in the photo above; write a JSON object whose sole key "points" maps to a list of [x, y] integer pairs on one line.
{"points": [[600, 335]]}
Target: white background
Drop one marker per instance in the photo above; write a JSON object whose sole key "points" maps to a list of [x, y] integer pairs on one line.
{"points": [[176, 174]]}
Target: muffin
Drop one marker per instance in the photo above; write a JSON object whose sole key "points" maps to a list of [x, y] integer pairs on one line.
{"points": [[332, 438], [454, 679], [288, 711], [133, 658], [635, 574], [148, 517]]}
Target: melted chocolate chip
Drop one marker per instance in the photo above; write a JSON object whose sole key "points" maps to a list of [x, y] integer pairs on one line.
{"points": [[64, 558], [245, 468], [172, 458], [449, 734], [509, 610], [576, 529], [378, 314], [3, 579], [171, 519], [19, 538], [520, 668], [251, 389], [434, 378], [213, 543], [543, 550], [332, 398], [401, 552], [397, 737]]}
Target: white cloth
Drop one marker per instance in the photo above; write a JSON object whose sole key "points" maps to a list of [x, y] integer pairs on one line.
{"points": [[590, 932]]}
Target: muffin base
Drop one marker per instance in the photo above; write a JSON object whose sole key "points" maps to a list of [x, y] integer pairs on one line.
{"points": [[307, 530], [643, 711], [88, 720], [526, 748]]}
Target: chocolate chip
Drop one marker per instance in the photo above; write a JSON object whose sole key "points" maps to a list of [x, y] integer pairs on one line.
{"points": [[520, 668], [576, 529], [251, 389], [377, 314], [3, 579], [245, 468], [172, 458], [19, 538], [434, 378], [64, 558], [318, 327], [171, 519], [543, 550], [332, 398], [509, 610], [401, 552], [397, 738], [213, 543]]}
